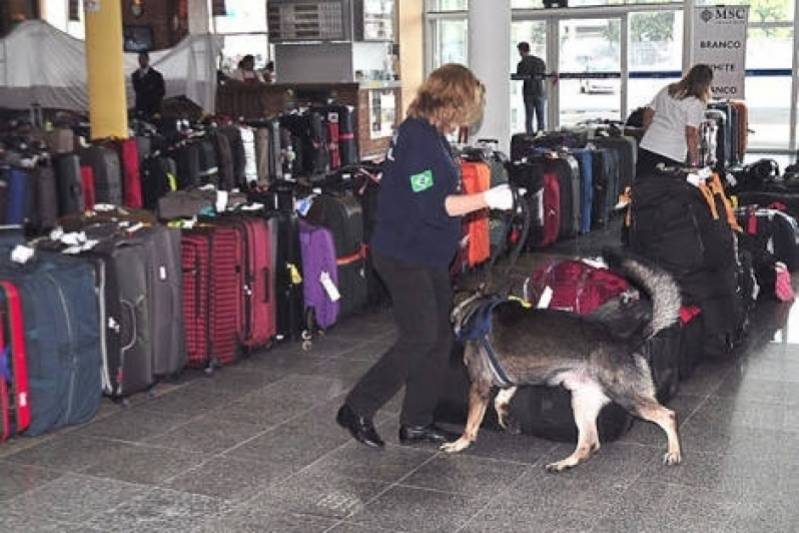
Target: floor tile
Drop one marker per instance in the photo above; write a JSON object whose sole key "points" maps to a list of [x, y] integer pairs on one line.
{"points": [[310, 387], [160, 510], [739, 441], [346, 527], [417, 510], [207, 434], [68, 452], [520, 518], [764, 514], [721, 412], [654, 507], [229, 478], [320, 494], [389, 464], [248, 519], [264, 408], [17, 521], [145, 464], [464, 474], [16, 479], [296, 447], [74, 498], [133, 425], [191, 400]]}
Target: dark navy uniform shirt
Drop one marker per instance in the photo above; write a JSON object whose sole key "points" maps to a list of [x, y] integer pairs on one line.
{"points": [[419, 173]]}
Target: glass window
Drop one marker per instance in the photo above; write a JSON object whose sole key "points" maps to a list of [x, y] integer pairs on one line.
{"points": [[589, 46], [242, 16], [655, 41], [447, 5], [451, 42], [535, 33], [761, 10]]}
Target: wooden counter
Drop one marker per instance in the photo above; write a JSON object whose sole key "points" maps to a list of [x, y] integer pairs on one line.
{"points": [[259, 101]]}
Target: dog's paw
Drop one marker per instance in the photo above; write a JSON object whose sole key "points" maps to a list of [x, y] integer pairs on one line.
{"points": [[514, 426], [457, 446], [672, 458], [560, 466]]}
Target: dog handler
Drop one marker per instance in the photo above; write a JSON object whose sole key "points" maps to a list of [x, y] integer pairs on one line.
{"points": [[672, 122], [417, 234]]}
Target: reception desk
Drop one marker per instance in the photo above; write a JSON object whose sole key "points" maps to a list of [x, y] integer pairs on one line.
{"points": [[376, 104]]}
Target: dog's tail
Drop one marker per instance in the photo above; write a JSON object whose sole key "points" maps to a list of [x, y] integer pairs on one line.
{"points": [[658, 284]]}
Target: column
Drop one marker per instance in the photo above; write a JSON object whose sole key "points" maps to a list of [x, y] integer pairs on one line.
{"points": [[489, 59], [411, 47], [199, 17], [108, 109]]}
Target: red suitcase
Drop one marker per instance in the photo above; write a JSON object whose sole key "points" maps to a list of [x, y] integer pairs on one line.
{"points": [[87, 180], [577, 287], [16, 415], [213, 277], [258, 325], [131, 176]]}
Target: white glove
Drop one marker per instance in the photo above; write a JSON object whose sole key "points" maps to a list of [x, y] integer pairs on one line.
{"points": [[499, 197]]}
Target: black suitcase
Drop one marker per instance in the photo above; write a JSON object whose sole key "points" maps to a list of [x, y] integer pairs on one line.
{"points": [[308, 131], [158, 179], [209, 169], [69, 185], [605, 167], [288, 281], [347, 144], [187, 158], [343, 216], [233, 135], [626, 150], [107, 173], [224, 158], [529, 175], [45, 209]]}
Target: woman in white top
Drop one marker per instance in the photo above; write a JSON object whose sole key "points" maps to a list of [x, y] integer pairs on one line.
{"points": [[672, 122], [246, 72]]}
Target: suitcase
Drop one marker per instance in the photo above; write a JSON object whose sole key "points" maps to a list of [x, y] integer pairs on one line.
{"points": [[263, 155], [347, 142], [319, 259], [87, 188], [60, 140], [129, 155], [69, 183], [743, 128], [257, 328], [274, 150], [476, 178], [185, 204], [568, 172], [44, 212], [233, 135], [584, 157], [157, 180], [14, 387], [212, 258], [189, 168], [626, 149], [723, 136], [309, 131], [224, 159], [250, 158], [289, 289], [62, 335], [209, 170], [107, 173], [774, 231], [333, 135], [20, 195], [605, 162], [343, 216]]}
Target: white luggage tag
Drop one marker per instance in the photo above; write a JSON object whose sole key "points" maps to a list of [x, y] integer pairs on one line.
{"points": [[252, 207], [303, 205], [596, 262], [546, 298], [222, 198], [104, 207], [330, 287], [21, 254]]}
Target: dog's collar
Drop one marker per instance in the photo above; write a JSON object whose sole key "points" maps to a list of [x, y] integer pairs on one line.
{"points": [[476, 327]]}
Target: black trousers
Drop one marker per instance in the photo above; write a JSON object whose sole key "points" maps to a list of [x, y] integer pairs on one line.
{"points": [[648, 161], [421, 298], [534, 106]]}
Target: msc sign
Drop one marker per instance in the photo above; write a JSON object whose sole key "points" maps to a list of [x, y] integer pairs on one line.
{"points": [[724, 13]]}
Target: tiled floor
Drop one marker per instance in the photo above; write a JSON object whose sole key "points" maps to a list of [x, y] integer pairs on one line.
{"points": [[255, 448]]}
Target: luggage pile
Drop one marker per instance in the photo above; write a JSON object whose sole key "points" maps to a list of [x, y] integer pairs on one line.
{"points": [[573, 179], [724, 134]]}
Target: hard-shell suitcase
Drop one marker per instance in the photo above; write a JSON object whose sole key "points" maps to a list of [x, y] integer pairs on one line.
{"points": [[212, 258], [258, 323], [743, 128], [129, 155], [224, 159], [568, 172], [14, 388], [318, 270], [605, 173], [347, 143], [584, 158], [289, 290], [343, 216], [62, 336], [87, 187], [69, 183], [107, 173], [626, 148], [44, 212], [723, 139]]}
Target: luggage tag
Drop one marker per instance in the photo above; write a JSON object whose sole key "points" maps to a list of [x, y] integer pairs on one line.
{"points": [[595, 262], [294, 272], [104, 207], [303, 205], [252, 207], [222, 198], [330, 287], [21, 254]]}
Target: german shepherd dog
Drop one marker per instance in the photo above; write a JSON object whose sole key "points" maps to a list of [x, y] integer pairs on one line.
{"points": [[586, 356]]}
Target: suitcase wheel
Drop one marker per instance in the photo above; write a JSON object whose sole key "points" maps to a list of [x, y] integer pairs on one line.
{"points": [[307, 335], [307, 345]]}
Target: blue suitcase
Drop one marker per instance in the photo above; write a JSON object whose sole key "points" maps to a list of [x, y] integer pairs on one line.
{"points": [[62, 335], [584, 160], [17, 196]]}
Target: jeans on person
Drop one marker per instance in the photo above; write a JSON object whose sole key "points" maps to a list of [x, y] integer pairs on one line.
{"points": [[534, 105], [421, 297]]}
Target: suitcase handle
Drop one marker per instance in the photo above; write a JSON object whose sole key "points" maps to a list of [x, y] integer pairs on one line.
{"points": [[134, 334]]}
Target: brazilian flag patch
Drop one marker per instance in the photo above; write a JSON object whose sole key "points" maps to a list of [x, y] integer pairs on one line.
{"points": [[422, 181]]}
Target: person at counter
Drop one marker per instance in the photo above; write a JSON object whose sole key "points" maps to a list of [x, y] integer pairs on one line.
{"points": [[246, 73]]}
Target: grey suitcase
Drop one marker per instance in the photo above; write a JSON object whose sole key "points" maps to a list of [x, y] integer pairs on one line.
{"points": [[107, 173]]}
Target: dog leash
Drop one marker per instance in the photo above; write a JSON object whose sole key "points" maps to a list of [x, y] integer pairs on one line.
{"points": [[520, 207]]}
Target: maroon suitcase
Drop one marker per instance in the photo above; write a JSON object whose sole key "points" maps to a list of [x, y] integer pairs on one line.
{"points": [[212, 290]]}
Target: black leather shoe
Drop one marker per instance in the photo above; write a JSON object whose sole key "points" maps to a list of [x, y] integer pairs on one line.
{"points": [[359, 427], [429, 433]]}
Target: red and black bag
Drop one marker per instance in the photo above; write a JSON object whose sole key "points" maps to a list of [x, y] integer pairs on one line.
{"points": [[577, 286]]}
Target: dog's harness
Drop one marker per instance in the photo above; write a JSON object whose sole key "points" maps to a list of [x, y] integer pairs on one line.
{"points": [[476, 327]]}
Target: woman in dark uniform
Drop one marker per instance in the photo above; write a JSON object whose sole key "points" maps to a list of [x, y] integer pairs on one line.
{"points": [[415, 239]]}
